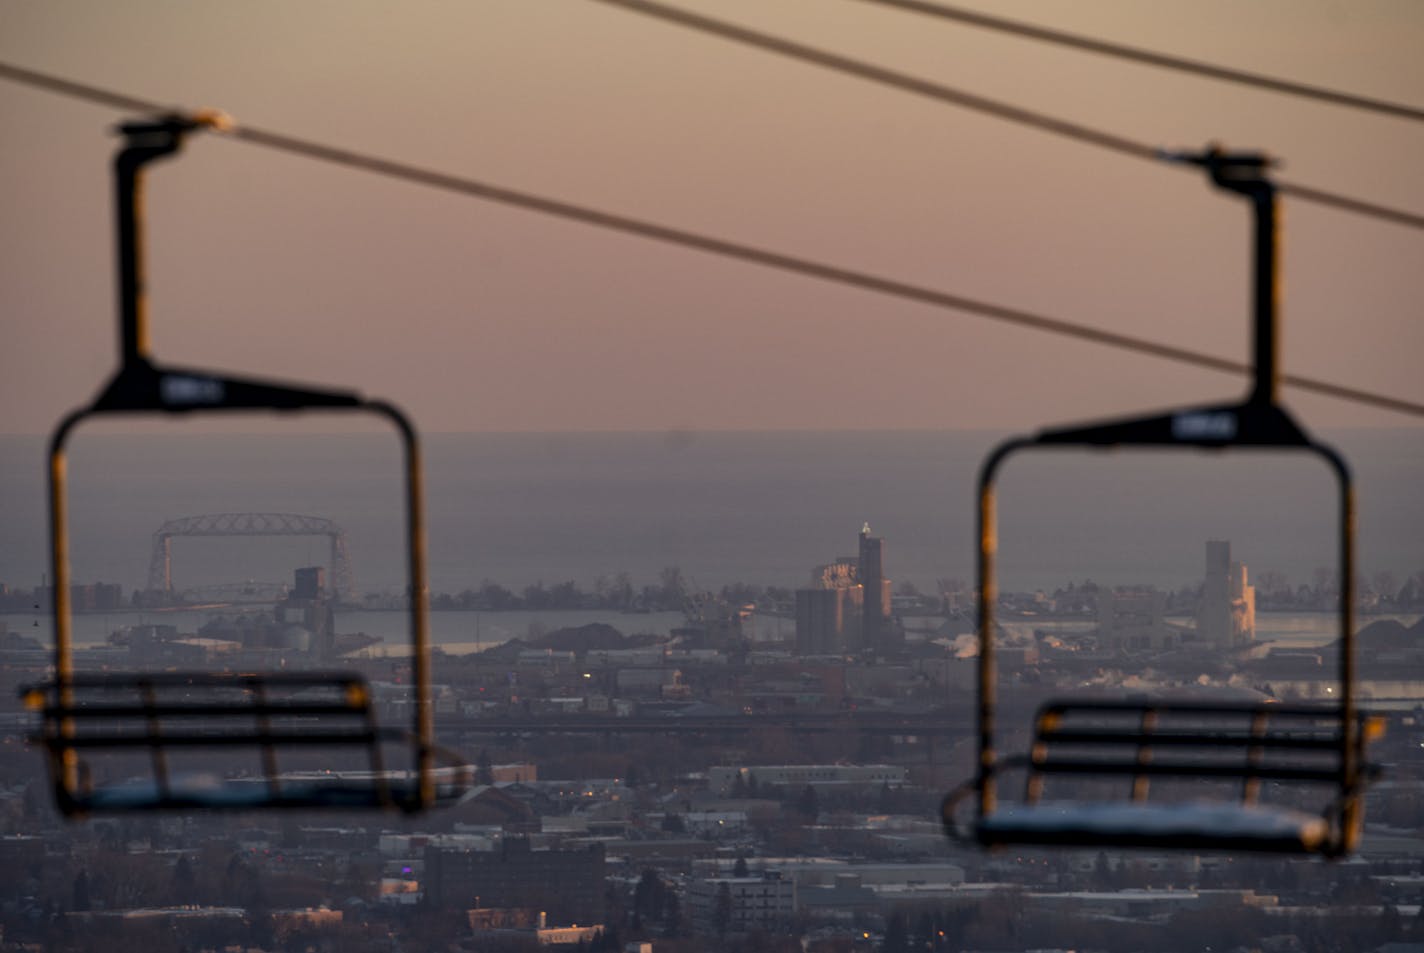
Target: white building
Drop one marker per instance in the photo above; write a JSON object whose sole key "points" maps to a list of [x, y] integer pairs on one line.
{"points": [[870, 777], [751, 903]]}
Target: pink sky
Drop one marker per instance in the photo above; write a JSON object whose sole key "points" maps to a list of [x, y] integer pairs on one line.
{"points": [[478, 317]]}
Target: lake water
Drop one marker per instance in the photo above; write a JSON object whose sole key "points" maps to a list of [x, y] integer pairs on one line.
{"points": [[756, 507]]}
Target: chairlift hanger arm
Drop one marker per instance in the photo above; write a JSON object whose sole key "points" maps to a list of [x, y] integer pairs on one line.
{"points": [[73, 702], [1246, 174], [144, 142], [140, 385], [1249, 424], [1258, 422]]}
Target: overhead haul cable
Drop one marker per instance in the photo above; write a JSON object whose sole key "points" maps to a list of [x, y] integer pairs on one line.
{"points": [[990, 107], [675, 236], [1153, 58]]}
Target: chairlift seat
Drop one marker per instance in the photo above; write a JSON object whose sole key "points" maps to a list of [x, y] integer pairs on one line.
{"points": [[1294, 749], [265, 714], [86, 715], [1142, 742]]}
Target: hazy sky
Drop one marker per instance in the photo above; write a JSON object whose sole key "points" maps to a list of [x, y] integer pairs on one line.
{"points": [[479, 317]]}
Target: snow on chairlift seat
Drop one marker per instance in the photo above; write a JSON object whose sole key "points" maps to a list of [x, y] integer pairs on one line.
{"points": [[1201, 825], [208, 791]]}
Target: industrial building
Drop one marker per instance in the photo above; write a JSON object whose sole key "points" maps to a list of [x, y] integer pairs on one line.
{"points": [[847, 607], [1227, 615]]}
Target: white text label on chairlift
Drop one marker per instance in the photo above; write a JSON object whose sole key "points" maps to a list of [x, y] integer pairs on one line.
{"points": [[181, 389], [1220, 425]]}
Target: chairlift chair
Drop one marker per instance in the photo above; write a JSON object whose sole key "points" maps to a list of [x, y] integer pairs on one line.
{"points": [[1126, 744], [84, 716]]}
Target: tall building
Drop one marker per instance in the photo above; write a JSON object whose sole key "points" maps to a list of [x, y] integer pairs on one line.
{"points": [[875, 604], [1227, 615]]}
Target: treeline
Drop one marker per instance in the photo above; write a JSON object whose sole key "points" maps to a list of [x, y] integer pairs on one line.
{"points": [[671, 593], [1381, 592]]}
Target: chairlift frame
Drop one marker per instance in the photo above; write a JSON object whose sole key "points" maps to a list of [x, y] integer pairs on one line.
{"points": [[261, 711], [1222, 749]]}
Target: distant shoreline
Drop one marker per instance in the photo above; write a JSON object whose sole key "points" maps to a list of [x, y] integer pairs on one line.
{"points": [[1001, 616]]}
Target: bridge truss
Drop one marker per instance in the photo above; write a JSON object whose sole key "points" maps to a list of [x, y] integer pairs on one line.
{"points": [[160, 565]]}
